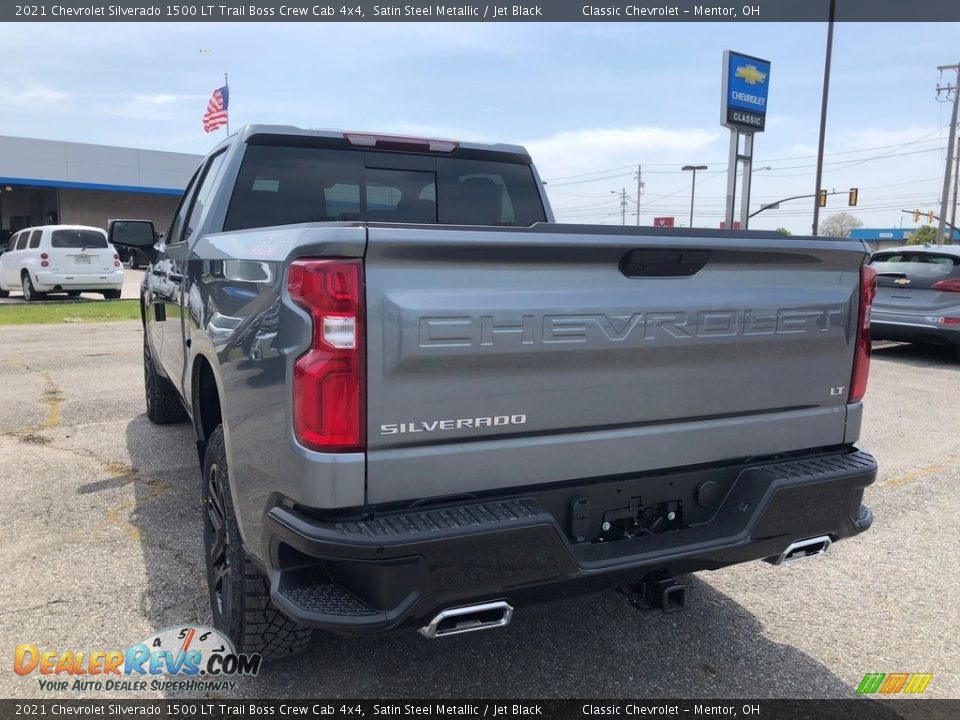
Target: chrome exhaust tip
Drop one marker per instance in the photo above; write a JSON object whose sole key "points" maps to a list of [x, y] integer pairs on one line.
{"points": [[803, 549], [456, 621]]}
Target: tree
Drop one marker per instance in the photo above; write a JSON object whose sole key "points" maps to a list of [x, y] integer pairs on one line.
{"points": [[784, 231], [839, 225], [923, 234]]}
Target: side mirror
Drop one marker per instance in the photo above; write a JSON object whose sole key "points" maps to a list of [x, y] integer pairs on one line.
{"points": [[138, 234]]}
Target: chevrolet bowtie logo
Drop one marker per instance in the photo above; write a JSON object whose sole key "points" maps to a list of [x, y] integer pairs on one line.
{"points": [[750, 74]]}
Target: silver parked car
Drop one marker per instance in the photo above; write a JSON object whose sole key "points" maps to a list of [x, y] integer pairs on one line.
{"points": [[918, 295]]}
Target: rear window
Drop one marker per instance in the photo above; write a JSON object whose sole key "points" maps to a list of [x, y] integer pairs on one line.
{"points": [[916, 265], [285, 185], [77, 239]]}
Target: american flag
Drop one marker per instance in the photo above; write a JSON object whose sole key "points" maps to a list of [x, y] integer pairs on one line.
{"points": [[216, 114]]}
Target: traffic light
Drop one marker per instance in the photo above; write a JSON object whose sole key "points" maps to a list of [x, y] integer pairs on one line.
{"points": [[916, 215], [852, 200], [930, 217], [822, 198]]}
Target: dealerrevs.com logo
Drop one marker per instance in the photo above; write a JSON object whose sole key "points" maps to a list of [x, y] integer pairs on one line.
{"points": [[200, 657]]}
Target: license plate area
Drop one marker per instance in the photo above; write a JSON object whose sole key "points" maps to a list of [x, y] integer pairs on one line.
{"points": [[631, 507], [82, 260], [637, 519]]}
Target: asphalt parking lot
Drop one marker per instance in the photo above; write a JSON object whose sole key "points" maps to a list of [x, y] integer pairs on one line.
{"points": [[100, 537]]}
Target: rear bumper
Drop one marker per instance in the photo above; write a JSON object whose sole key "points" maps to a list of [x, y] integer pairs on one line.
{"points": [[400, 569], [44, 280], [916, 331]]}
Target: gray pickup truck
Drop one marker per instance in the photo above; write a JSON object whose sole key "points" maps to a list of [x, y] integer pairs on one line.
{"points": [[420, 402]]}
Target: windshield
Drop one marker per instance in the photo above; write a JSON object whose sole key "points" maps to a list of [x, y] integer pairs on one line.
{"points": [[919, 270], [283, 185], [78, 239], [917, 264]]}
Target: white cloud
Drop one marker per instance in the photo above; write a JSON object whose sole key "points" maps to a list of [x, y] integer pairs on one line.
{"points": [[589, 150], [585, 168], [29, 97], [800, 150], [159, 106]]}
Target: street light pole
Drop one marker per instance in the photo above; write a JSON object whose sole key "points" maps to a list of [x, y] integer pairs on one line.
{"points": [[693, 185]]}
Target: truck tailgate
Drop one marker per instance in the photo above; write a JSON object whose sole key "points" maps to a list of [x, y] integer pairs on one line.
{"points": [[516, 357]]}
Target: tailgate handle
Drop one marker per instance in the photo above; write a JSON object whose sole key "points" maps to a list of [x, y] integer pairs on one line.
{"points": [[663, 263]]}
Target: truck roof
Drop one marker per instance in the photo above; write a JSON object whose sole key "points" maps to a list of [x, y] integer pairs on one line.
{"points": [[925, 248], [249, 131]]}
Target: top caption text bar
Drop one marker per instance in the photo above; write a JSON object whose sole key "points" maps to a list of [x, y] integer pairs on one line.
{"points": [[544, 11]]}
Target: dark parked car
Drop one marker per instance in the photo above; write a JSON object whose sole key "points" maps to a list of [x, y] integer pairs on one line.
{"points": [[918, 295]]}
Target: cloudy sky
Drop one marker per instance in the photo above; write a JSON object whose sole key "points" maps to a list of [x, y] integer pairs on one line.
{"points": [[590, 101]]}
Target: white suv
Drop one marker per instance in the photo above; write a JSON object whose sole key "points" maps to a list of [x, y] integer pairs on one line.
{"points": [[60, 258]]}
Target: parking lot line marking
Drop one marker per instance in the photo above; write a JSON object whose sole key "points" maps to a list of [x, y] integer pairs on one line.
{"points": [[948, 464], [51, 397]]}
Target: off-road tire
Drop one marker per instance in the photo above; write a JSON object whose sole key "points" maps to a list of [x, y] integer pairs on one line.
{"points": [[163, 403], [29, 294], [239, 591]]}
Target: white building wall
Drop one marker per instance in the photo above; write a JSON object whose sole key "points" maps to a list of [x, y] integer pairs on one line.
{"points": [[55, 161]]}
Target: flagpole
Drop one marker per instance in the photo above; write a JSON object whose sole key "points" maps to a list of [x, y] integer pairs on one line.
{"points": [[227, 85]]}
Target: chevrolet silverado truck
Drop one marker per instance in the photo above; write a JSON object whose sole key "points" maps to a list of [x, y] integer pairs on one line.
{"points": [[419, 402]]}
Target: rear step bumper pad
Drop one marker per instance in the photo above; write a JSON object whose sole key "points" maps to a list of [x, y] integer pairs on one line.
{"points": [[397, 569]]}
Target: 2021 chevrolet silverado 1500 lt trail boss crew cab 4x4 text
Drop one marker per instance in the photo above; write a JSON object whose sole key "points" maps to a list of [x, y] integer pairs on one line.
{"points": [[419, 402]]}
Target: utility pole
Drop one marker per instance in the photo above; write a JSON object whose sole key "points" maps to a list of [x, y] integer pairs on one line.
{"points": [[623, 204], [639, 191], [956, 187], [945, 195], [693, 182], [828, 56]]}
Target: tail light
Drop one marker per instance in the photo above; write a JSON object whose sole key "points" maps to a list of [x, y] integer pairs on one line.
{"points": [[400, 142], [44, 256], [329, 379], [861, 357], [116, 256], [116, 263], [948, 285], [44, 263]]}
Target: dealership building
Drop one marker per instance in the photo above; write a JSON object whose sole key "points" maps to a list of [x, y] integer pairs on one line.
{"points": [[49, 181], [883, 238]]}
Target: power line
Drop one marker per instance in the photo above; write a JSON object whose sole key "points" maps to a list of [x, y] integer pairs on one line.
{"points": [[846, 163], [852, 162]]}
